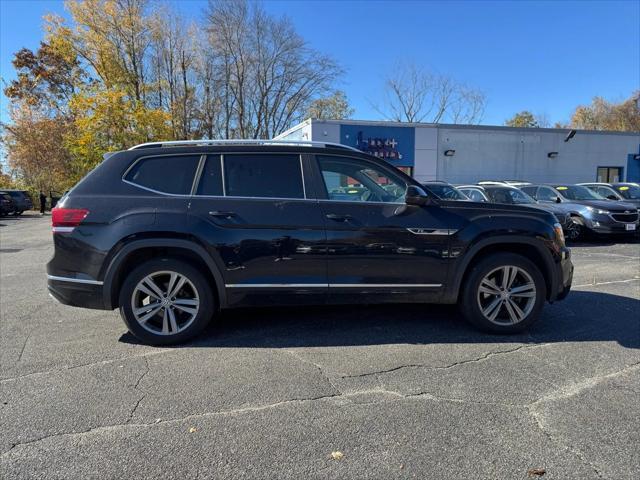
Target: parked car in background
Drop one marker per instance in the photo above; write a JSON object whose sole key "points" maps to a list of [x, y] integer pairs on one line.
{"points": [[7, 206], [475, 193], [445, 191], [510, 195], [21, 200], [626, 192], [596, 215], [171, 233]]}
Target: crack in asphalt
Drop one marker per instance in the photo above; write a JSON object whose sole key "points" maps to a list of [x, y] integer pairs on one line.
{"points": [[89, 364], [320, 369], [135, 387], [481, 358], [562, 393]]}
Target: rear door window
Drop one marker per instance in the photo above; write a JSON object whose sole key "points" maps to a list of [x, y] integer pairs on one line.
{"points": [[263, 176], [211, 178], [166, 174]]}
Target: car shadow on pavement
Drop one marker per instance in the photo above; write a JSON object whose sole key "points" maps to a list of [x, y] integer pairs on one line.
{"points": [[582, 317]]}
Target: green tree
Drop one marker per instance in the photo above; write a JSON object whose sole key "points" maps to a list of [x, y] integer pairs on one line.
{"points": [[524, 119], [334, 107], [604, 115]]}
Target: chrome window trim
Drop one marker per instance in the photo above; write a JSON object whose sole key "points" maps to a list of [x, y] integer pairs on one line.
{"points": [[74, 280], [198, 175], [224, 183]]}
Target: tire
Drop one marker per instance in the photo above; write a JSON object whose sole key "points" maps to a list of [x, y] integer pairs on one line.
{"points": [[488, 273], [157, 320], [575, 230]]}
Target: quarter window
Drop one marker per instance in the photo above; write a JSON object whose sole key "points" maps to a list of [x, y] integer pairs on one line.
{"points": [[355, 180], [266, 176], [168, 174]]}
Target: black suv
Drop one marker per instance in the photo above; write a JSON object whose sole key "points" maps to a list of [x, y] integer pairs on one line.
{"points": [[171, 233]]}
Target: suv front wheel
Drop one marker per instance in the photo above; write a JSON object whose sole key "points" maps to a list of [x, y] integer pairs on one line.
{"points": [[503, 293], [166, 301]]}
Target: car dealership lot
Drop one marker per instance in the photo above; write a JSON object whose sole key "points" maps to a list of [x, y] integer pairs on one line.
{"points": [[400, 391]]}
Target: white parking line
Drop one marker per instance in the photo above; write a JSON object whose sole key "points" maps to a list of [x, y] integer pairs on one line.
{"points": [[635, 279]]}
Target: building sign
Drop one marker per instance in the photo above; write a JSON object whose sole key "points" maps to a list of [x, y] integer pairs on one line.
{"points": [[396, 145]]}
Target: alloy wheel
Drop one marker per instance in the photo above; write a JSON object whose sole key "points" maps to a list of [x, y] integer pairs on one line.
{"points": [[506, 295], [165, 303]]}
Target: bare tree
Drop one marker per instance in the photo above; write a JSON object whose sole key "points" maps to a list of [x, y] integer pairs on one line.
{"points": [[412, 94], [268, 72]]}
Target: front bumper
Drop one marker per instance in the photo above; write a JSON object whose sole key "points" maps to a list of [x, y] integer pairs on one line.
{"points": [[564, 276]]}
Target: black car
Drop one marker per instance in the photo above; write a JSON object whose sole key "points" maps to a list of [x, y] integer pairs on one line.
{"points": [[445, 191], [506, 194], [171, 233], [596, 214], [625, 192], [21, 201], [7, 206]]}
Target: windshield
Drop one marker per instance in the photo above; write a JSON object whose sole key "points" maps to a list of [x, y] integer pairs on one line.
{"points": [[630, 192], [578, 192], [509, 196], [446, 192]]}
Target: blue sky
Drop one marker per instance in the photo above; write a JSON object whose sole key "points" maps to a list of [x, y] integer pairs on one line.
{"points": [[544, 56]]}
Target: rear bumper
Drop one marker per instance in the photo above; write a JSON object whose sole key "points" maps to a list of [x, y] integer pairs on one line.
{"points": [[77, 292]]}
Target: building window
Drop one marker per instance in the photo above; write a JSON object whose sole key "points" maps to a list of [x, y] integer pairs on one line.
{"points": [[609, 174]]}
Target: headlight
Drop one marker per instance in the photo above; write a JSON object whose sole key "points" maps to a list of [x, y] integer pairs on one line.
{"points": [[559, 233], [598, 211]]}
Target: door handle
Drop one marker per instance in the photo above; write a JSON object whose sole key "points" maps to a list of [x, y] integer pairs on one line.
{"points": [[338, 218], [222, 214]]}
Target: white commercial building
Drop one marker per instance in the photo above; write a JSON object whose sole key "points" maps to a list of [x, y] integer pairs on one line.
{"points": [[471, 153]]}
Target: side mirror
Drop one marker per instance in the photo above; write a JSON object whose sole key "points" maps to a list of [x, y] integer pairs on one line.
{"points": [[558, 200], [612, 197], [417, 196]]}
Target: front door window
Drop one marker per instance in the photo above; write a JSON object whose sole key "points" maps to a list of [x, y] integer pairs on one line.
{"points": [[355, 180]]}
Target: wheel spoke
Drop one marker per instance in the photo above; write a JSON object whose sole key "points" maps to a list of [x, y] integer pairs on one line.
{"points": [[173, 292], [512, 276], [165, 321], [172, 321], [527, 290], [192, 311], [186, 301], [172, 280], [489, 287], [515, 313], [149, 283], [146, 308], [147, 316], [491, 312]]}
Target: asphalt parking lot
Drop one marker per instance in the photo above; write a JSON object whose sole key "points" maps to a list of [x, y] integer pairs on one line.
{"points": [[399, 391]]}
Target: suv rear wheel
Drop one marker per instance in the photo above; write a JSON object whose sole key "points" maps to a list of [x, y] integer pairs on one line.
{"points": [[503, 293], [166, 301]]}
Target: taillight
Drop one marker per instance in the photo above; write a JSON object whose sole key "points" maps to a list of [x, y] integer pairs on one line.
{"points": [[64, 220]]}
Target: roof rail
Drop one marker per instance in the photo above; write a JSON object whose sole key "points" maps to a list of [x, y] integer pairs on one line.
{"points": [[180, 143]]}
